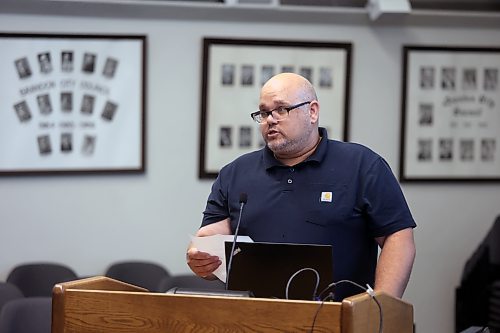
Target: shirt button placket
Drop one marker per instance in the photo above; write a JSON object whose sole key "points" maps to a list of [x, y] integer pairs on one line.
{"points": [[290, 180]]}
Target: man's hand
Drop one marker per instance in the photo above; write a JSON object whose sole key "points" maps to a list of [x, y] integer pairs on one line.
{"points": [[202, 264]]}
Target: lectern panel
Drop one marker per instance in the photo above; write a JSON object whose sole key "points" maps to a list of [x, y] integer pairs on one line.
{"points": [[122, 308]]}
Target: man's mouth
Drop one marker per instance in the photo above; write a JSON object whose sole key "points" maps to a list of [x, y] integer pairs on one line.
{"points": [[272, 133]]}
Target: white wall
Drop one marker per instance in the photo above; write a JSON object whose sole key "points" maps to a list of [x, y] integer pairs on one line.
{"points": [[88, 222]]}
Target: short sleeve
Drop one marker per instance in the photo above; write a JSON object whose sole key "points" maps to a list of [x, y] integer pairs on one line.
{"points": [[217, 205], [385, 206]]}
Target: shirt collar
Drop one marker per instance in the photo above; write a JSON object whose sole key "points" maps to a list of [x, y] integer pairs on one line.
{"points": [[319, 154]]}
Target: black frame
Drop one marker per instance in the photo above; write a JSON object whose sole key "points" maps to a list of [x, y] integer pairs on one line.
{"points": [[460, 59], [109, 107]]}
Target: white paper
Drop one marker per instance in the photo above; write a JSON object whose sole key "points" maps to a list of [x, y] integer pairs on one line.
{"points": [[215, 246]]}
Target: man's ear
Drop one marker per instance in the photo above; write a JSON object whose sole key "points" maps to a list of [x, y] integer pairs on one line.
{"points": [[314, 111]]}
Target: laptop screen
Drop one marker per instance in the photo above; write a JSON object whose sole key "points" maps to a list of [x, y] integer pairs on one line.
{"points": [[266, 268]]}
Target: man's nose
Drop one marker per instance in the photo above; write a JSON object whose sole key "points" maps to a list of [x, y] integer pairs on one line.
{"points": [[270, 119]]}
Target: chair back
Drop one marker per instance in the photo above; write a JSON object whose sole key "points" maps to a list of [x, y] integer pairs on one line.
{"points": [[139, 273], [8, 292], [27, 315], [38, 279]]}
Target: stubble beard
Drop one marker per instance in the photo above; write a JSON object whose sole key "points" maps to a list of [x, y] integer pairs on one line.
{"points": [[285, 146]]}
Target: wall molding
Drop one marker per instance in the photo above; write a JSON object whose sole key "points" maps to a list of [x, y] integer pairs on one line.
{"points": [[245, 12]]}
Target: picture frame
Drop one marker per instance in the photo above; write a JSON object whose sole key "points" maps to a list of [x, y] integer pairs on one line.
{"points": [[234, 71], [72, 104], [450, 129]]}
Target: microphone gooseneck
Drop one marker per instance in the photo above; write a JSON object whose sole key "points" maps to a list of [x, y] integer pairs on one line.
{"points": [[243, 198], [243, 201]]}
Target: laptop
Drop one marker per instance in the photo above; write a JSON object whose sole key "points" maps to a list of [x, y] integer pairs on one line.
{"points": [[265, 269]]}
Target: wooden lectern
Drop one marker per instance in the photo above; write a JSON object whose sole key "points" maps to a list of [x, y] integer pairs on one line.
{"points": [[100, 304]]}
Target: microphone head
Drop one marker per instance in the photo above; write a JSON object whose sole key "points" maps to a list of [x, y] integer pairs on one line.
{"points": [[243, 198]]}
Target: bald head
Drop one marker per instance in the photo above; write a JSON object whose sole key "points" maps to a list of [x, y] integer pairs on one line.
{"points": [[290, 87]]}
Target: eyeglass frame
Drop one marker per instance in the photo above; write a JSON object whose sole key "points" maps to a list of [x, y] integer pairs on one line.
{"points": [[268, 113]]}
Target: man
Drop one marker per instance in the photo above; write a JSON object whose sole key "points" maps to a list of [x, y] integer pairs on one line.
{"points": [[304, 188]]}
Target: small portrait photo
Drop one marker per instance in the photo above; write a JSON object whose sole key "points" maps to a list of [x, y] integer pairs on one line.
{"points": [[247, 75], [227, 74], [44, 104], [448, 78], [110, 68], [287, 69], [23, 112], [66, 142], [325, 77], [307, 73], [23, 68], [425, 114], [445, 149], [109, 111], [225, 137], [424, 149], [266, 72], [66, 101], [88, 145], [469, 79], [490, 79], [88, 65], [87, 104], [488, 148], [245, 136], [427, 77], [67, 61], [467, 150], [44, 147], [45, 62]]}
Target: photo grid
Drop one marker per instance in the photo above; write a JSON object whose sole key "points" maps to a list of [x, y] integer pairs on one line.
{"points": [[246, 137], [42, 106], [454, 81]]}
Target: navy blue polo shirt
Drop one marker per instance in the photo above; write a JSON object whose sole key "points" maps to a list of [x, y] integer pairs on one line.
{"points": [[344, 195]]}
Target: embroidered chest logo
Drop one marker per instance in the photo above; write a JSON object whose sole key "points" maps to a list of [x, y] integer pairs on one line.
{"points": [[326, 196]]}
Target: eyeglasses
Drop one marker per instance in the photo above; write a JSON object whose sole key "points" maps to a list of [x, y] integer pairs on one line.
{"points": [[278, 114]]}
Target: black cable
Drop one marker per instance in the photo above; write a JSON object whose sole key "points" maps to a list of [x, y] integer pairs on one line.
{"points": [[334, 284], [319, 308], [369, 290], [381, 323]]}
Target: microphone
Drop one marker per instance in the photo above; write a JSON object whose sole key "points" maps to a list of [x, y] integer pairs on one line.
{"points": [[243, 201]]}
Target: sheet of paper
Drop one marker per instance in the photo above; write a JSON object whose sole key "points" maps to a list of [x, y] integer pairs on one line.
{"points": [[215, 246]]}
